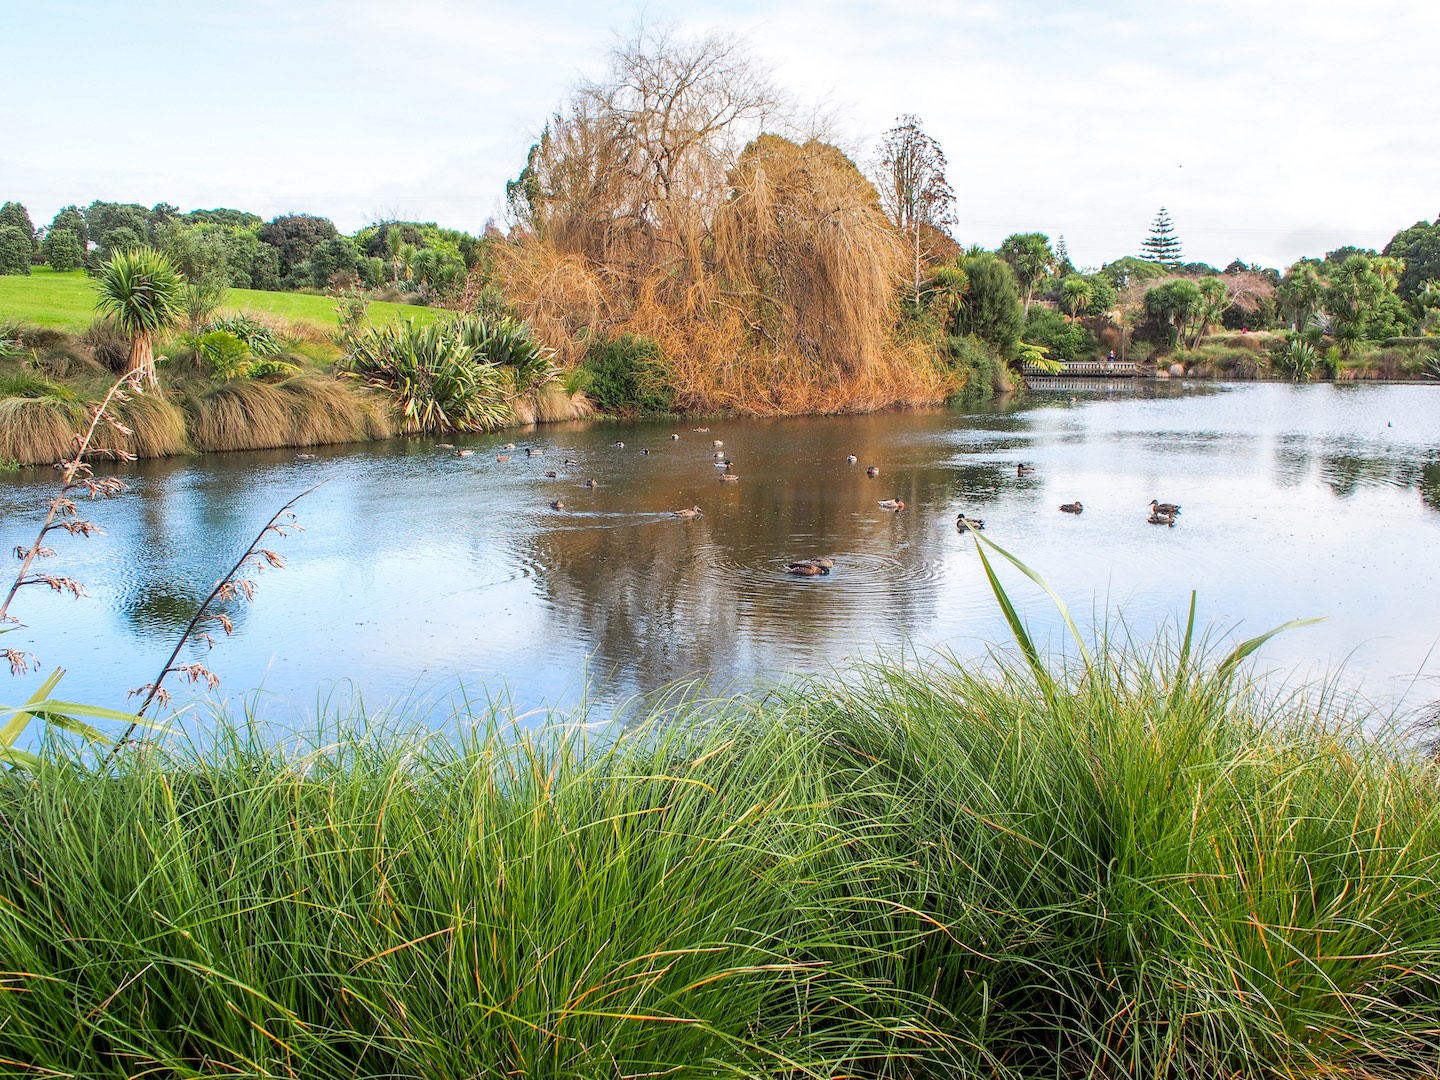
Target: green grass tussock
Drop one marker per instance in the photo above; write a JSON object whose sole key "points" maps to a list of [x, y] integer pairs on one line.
{"points": [[1146, 868], [308, 410]]}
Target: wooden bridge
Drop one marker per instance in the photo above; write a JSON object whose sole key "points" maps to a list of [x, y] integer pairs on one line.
{"points": [[1103, 369]]}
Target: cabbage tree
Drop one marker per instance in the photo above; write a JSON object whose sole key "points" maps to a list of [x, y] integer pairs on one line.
{"points": [[145, 295]]}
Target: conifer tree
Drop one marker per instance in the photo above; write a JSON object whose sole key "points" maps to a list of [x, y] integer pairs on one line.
{"points": [[1162, 245]]}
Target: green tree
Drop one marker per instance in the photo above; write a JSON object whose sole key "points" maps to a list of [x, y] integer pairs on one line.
{"points": [[1030, 257], [1214, 299], [106, 217], [1063, 266], [72, 219], [1162, 246], [15, 248], [1076, 294], [944, 293], [1300, 292], [295, 237], [991, 309], [16, 216], [145, 296], [1174, 305], [912, 186], [1418, 247], [62, 250]]}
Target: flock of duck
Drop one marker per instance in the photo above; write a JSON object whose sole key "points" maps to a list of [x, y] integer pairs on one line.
{"points": [[1161, 513]]}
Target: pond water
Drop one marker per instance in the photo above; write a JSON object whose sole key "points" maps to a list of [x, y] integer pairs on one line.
{"points": [[421, 571]]}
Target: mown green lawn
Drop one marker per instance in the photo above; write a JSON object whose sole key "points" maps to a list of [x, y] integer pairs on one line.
{"points": [[67, 302]]}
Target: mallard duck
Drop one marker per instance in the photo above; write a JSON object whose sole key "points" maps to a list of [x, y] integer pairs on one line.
{"points": [[674, 436], [619, 444], [1024, 470], [716, 442], [851, 459], [592, 483], [1072, 508], [719, 455], [551, 475], [645, 450], [530, 451], [570, 461], [873, 471], [724, 463], [693, 511], [444, 446], [963, 523], [498, 457], [892, 504], [810, 567], [558, 504], [702, 429], [729, 477], [304, 457], [508, 446], [1161, 519], [1164, 509], [463, 453]]}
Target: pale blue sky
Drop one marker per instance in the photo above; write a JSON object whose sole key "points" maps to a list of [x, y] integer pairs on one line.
{"points": [[1270, 130]]}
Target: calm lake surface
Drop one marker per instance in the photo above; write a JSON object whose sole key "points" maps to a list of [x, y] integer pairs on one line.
{"points": [[420, 571]]}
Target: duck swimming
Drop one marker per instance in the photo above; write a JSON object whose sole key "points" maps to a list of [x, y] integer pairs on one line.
{"points": [[873, 471], [851, 458], [558, 504], [973, 524], [892, 504], [1024, 470], [1072, 508], [1163, 509], [694, 511], [810, 567], [1161, 519], [592, 483]]}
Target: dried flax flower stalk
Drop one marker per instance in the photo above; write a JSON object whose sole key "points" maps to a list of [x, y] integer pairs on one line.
{"points": [[76, 476], [235, 585]]}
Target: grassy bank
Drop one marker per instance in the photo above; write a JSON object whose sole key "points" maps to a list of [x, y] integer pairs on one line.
{"points": [[67, 302], [1146, 870]]}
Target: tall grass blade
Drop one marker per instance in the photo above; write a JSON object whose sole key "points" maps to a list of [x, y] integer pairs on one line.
{"points": [[1017, 625], [1245, 649], [983, 541]]}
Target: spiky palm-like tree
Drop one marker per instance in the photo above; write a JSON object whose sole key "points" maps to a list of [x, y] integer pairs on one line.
{"points": [[145, 295]]}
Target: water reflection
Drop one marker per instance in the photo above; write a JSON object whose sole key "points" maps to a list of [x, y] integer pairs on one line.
{"points": [[419, 569]]}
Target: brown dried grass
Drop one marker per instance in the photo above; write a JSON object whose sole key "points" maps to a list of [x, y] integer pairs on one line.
{"points": [[41, 431], [304, 411], [792, 311]]}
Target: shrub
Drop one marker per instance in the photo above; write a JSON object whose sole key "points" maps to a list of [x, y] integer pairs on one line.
{"points": [[432, 376], [28, 384], [979, 362], [628, 375], [224, 354], [271, 367], [260, 339], [15, 248], [1064, 339]]}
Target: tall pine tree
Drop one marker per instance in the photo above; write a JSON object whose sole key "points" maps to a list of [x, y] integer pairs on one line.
{"points": [[1162, 245]]}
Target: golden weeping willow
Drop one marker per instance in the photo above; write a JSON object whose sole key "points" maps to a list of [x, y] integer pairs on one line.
{"points": [[764, 267]]}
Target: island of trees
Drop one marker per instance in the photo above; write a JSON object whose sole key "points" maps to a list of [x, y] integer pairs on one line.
{"points": [[673, 243]]}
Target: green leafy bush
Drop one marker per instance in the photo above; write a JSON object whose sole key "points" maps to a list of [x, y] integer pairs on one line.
{"points": [[1063, 338], [432, 375], [628, 375], [258, 338], [271, 367], [224, 354]]}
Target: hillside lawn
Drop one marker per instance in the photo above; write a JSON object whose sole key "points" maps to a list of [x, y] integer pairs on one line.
{"points": [[66, 302]]}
